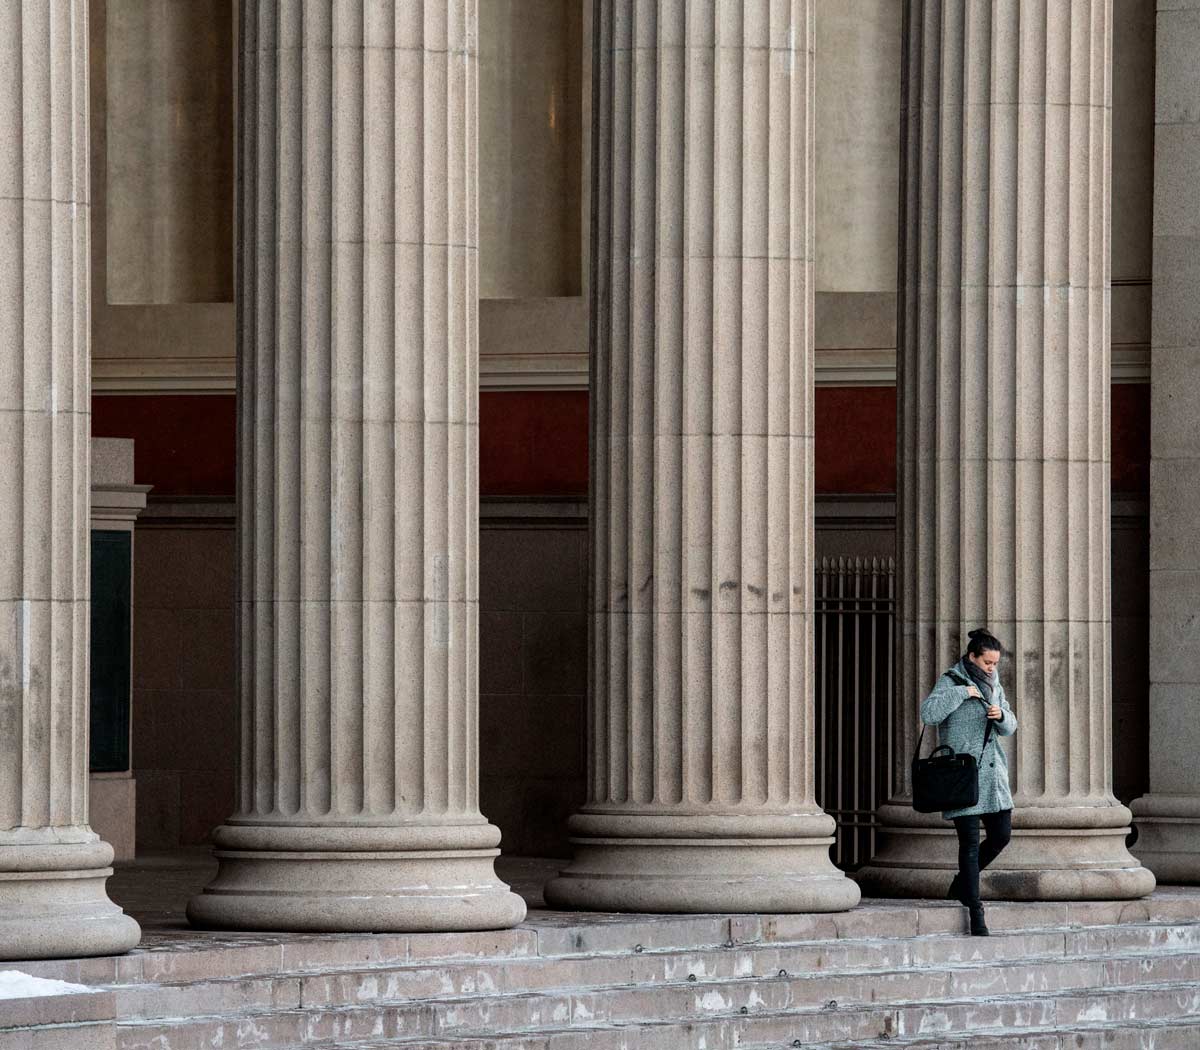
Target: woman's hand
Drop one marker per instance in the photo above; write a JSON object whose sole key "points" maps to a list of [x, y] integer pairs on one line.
{"points": [[994, 713], [973, 691]]}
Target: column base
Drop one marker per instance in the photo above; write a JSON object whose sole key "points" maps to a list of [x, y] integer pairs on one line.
{"points": [[1056, 854], [356, 879], [695, 865], [1169, 836], [53, 903]]}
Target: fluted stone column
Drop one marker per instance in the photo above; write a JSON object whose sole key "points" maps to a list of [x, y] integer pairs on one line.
{"points": [[700, 711], [358, 478], [1169, 817], [52, 865], [1004, 429]]}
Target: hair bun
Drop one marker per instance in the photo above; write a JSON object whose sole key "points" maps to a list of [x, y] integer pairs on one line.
{"points": [[977, 632]]}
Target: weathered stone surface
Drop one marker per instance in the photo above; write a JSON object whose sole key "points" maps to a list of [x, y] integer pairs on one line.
{"points": [[358, 458], [701, 489], [53, 867], [833, 980], [1003, 394]]}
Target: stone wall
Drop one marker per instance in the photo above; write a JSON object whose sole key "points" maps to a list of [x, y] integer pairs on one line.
{"points": [[184, 739], [532, 680]]}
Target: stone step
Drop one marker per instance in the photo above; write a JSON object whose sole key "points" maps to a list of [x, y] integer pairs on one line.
{"points": [[615, 982], [68, 1021], [1170, 1035], [917, 1004], [351, 986], [1163, 1035], [1029, 1023], [561, 934]]}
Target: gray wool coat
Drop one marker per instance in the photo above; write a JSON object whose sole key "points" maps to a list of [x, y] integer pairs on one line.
{"points": [[961, 722]]}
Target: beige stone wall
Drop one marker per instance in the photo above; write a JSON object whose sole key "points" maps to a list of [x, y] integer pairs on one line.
{"points": [[167, 320], [1132, 180], [858, 145], [530, 148], [857, 191], [164, 315], [169, 156]]}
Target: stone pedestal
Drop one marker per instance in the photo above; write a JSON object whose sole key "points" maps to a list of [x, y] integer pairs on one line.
{"points": [[700, 714], [1169, 817], [53, 867], [358, 478], [1004, 430]]}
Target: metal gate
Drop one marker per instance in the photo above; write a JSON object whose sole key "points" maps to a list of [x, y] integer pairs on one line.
{"points": [[854, 636]]}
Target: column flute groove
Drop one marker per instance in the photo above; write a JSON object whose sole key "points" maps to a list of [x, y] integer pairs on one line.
{"points": [[53, 867], [701, 781], [358, 437], [1004, 429]]}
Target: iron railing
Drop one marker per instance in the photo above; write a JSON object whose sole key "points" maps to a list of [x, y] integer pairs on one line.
{"points": [[854, 636]]}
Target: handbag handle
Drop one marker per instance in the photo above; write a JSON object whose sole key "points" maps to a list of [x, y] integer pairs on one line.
{"points": [[954, 676]]}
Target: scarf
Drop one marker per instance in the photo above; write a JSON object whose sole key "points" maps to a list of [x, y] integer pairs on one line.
{"points": [[977, 675]]}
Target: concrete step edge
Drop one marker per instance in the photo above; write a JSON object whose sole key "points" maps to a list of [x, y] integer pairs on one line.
{"points": [[1014, 998], [831, 973], [863, 944], [980, 1040], [954, 1039]]}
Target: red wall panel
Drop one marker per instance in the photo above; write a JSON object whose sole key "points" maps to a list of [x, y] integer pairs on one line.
{"points": [[1131, 438], [184, 444], [534, 443], [856, 439]]}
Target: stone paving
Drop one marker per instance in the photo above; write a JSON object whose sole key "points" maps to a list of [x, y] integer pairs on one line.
{"points": [[1122, 976]]}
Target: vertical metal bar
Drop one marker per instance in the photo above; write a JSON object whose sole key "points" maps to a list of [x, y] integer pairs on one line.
{"points": [[855, 640], [840, 699], [855, 700], [873, 800]]}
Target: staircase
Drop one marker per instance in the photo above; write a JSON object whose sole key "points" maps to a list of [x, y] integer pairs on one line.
{"points": [[887, 975]]}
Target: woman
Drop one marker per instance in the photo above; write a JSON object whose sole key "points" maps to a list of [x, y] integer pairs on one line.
{"points": [[964, 702]]}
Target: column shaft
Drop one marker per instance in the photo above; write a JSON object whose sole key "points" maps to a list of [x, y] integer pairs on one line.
{"points": [[700, 731], [1004, 427], [1169, 817], [358, 478], [52, 865]]}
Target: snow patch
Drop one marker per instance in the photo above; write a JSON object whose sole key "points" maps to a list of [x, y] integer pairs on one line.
{"points": [[17, 985]]}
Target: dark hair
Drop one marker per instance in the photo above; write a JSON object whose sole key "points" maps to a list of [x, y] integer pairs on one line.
{"points": [[982, 640]]}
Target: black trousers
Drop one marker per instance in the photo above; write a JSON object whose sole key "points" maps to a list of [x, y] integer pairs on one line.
{"points": [[972, 857]]}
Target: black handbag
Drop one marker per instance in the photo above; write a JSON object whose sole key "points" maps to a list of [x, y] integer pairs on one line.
{"points": [[946, 780]]}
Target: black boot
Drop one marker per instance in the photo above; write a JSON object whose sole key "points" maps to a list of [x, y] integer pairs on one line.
{"points": [[978, 923]]}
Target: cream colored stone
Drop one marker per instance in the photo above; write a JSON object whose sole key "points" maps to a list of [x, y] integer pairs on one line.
{"points": [[701, 794], [53, 867], [1004, 370], [530, 148], [857, 123], [169, 182], [170, 347], [358, 601], [112, 811]]}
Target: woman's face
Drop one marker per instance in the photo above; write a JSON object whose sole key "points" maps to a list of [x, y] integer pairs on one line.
{"points": [[986, 661]]}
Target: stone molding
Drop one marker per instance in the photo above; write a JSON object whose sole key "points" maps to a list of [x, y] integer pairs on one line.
{"points": [[533, 370]]}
